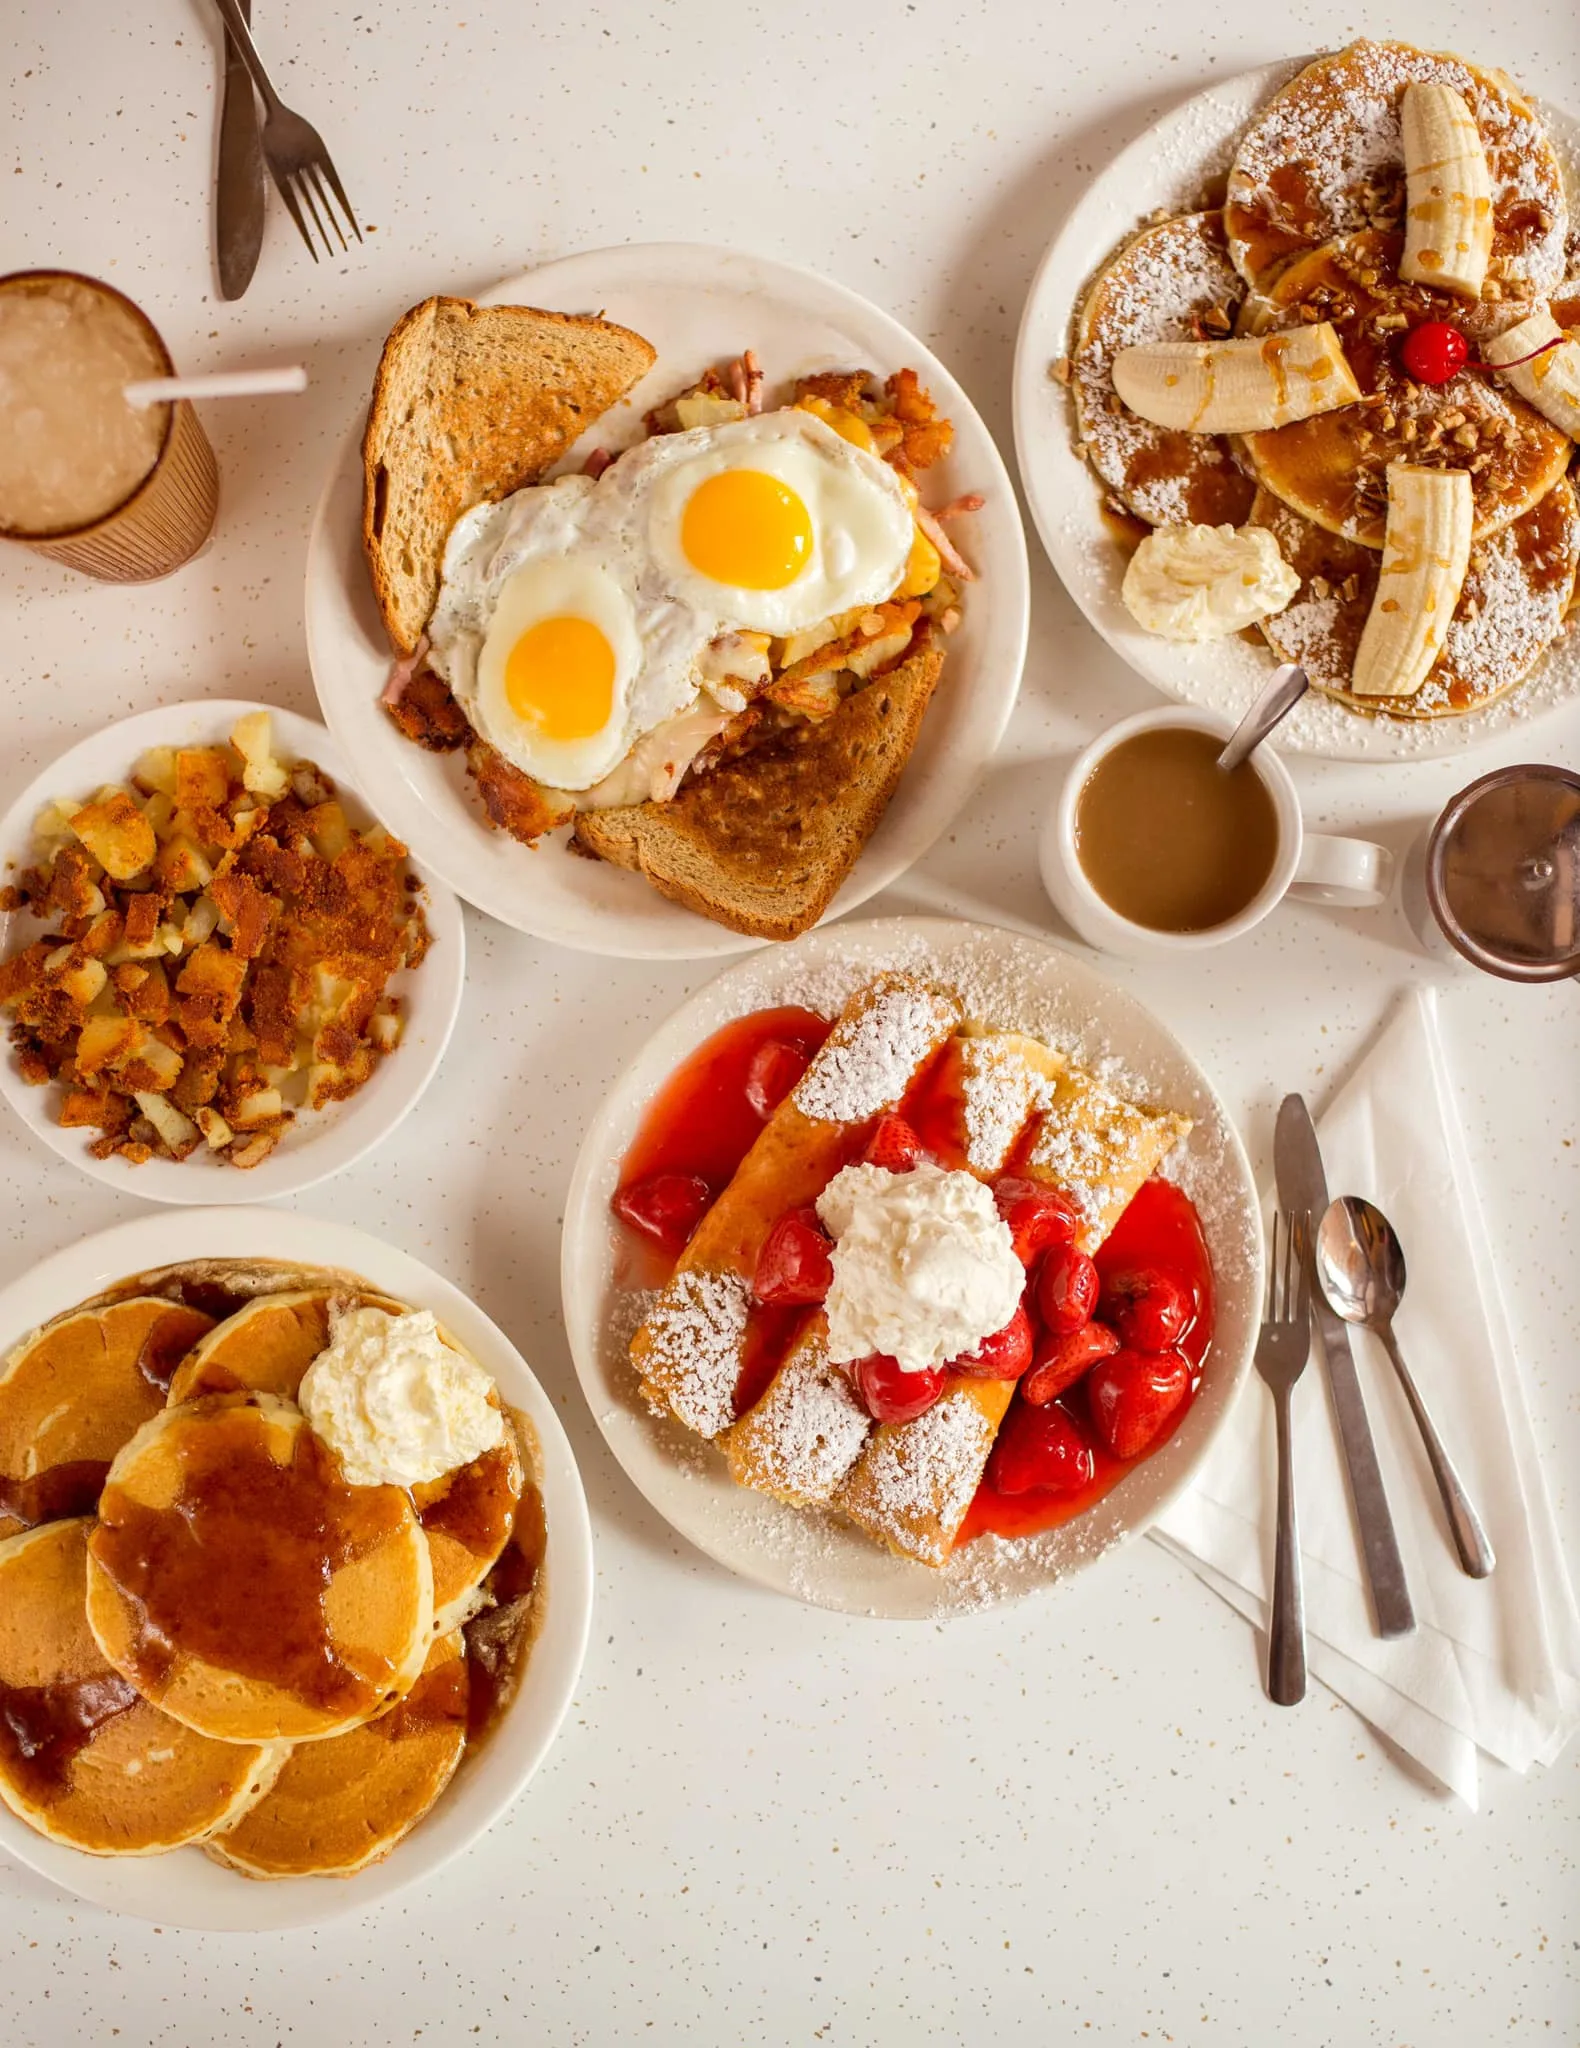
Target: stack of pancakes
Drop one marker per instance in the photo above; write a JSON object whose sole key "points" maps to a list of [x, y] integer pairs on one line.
{"points": [[1312, 231], [207, 1635]]}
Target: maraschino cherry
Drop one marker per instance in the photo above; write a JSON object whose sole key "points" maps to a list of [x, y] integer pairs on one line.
{"points": [[1434, 352]]}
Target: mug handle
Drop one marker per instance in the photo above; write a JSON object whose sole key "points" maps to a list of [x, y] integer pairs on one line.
{"points": [[1350, 872]]}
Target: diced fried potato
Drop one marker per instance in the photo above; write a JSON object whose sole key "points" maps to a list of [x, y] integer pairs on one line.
{"points": [[216, 1131], [255, 1151], [152, 1064], [156, 770], [797, 646], [202, 921], [810, 696], [872, 654], [178, 1131], [310, 785], [329, 829], [53, 822], [386, 1028], [82, 981], [203, 778], [117, 834], [252, 738], [159, 810], [94, 1109], [183, 867], [104, 1042], [707, 409], [260, 1106]]}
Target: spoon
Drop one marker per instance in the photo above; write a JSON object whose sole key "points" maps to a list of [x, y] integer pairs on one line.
{"points": [[1360, 1263], [1287, 685]]}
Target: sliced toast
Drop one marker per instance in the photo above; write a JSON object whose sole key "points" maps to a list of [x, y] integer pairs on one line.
{"points": [[470, 403], [762, 844]]}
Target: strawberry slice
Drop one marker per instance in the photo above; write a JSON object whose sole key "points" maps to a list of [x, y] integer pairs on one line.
{"points": [[794, 1264], [1040, 1450], [895, 1145], [892, 1395], [1003, 1356], [1067, 1289], [1150, 1309], [1060, 1361], [1037, 1216], [1132, 1394], [667, 1207], [776, 1067]]}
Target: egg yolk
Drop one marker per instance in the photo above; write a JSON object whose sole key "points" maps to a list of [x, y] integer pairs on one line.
{"points": [[746, 528], [559, 678]]}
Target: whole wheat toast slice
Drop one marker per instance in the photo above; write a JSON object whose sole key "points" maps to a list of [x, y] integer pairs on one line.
{"points": [[470, 403], [762, 844]]}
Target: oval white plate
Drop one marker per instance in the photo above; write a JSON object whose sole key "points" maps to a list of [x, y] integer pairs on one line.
{"points": [[1166, 166], [697, 306], [185, 1889], [320, 1142], [1007, 980]]}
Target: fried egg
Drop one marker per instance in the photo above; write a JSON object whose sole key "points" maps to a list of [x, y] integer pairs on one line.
{"points": [[771, 523], [560, 652]]}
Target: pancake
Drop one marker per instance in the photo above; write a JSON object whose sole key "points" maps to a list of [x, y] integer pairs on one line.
{"points": [[73, 1393], [268, 1345], [467, 1517], [1173, 282], [1097, 1149], [1333, 468], [340, 1805], [83, 1760], [1519, 585], [240, 1583], [1325, 157]]}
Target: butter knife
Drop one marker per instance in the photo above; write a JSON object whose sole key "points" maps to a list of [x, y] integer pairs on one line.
{"points": [[238, 198], [1302, 1184]]}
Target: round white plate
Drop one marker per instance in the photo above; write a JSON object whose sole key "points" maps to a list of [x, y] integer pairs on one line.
{"points": [[1007, 980], [320, 1142], [698, 306], [185, 1889], [1166, 167]]}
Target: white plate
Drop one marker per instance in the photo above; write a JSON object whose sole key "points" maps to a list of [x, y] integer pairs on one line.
{"points": [[320, 1142], [1166, 167], [185, 1889], [1008, 980], [697, 306]]}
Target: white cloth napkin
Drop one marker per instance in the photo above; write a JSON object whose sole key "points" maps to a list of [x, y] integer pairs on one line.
{"points": [[1493, 1666]]}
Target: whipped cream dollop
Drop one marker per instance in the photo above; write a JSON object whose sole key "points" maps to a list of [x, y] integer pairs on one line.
{"points": [[1206, 582], [395, 1403], [924, 1265]]}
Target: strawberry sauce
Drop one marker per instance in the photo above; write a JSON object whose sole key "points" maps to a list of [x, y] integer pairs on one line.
{"points": [[1160, 1229]]}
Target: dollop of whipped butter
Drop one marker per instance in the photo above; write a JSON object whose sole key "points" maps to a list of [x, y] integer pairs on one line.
{"points": [[924, 1265], [394, 1402], [1205, 582]]}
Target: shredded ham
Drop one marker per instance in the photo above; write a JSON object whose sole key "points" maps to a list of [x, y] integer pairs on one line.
{"points": [[973, 501], [597, 463], [401, 673], [948, 553], [753, 370]]}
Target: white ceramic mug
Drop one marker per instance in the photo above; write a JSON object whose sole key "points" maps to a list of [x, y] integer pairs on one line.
{"points": [[1351, 872]]}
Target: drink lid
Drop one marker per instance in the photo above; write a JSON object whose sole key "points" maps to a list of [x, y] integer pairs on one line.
{"points": [[1503, 873]]}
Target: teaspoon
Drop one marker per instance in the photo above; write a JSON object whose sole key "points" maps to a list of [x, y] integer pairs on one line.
{"points": [[1287, 685], [1360, 1263]]}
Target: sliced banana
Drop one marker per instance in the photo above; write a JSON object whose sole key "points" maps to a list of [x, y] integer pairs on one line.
{"points": [[1426, 551], [1236, 387], [1448, 193], [1539, 361]]}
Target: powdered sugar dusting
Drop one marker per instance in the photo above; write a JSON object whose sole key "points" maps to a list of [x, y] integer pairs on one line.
{"points": [[692, 1347], [805, 1433], [1000, 1089], [915, 1482], [869, 1060]]}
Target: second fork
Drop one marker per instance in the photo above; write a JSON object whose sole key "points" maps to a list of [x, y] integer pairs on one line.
{"points": [[1281, 1352]]}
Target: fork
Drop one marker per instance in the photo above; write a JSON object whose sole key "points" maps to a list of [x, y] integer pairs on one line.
{"points": [[293, 149], [1281, 1351]]}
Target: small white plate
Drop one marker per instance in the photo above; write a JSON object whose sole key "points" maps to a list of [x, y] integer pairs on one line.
{"points": [[697, 306], [185, 1889], [320, 1142], [1008, 980], [1166, 166]]}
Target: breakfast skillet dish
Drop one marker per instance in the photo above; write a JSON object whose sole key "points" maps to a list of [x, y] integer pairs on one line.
{"points": [[914, 1272], [710, 655], [270, 1565], [1339, 407]]}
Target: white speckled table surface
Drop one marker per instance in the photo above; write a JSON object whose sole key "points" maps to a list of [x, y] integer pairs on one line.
{"points": [[1077, 1819]]}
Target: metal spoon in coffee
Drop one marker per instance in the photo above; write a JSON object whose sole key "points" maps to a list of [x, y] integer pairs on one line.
{"points": [[1287, 685]]}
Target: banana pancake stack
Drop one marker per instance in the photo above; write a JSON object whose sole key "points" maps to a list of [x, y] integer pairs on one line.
{"points": [[247, 1598], [1370, 353]]}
